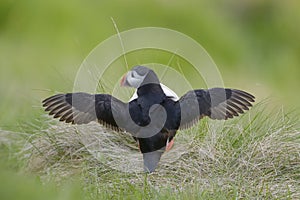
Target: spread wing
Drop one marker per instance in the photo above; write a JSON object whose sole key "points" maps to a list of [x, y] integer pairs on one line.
{"points": [[216, 103], [82, 108]]}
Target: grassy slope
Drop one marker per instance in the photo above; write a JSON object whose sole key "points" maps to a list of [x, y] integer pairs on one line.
{"points": [[255, 156]]}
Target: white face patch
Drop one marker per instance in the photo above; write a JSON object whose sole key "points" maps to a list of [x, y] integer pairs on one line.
{"points": [[134, 79]]}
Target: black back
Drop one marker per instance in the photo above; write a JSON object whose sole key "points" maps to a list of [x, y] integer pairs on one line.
{"points": [[149, 95]]}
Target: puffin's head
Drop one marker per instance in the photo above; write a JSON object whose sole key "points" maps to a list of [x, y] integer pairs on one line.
{"points": [[139, 76]]}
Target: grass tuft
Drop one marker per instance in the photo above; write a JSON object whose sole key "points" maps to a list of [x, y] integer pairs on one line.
{"points": [[253, 156]]}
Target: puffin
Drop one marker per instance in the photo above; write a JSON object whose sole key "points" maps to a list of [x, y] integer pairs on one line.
{"points": [[153, 115]]}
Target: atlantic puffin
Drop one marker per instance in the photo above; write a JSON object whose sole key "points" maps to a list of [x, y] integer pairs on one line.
{"points": [[154, 116]]}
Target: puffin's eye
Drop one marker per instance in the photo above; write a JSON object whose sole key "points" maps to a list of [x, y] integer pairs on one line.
{"points": [[133, 74]]}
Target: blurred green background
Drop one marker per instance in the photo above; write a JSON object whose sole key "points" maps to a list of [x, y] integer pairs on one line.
{"points": [[255, 44]]}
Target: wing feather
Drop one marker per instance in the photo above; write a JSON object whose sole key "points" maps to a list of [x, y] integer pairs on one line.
{"points": [[216, 103], [82, 108]]}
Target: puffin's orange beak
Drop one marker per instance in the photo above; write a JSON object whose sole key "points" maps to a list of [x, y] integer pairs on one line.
{"points": [[123, 81]]}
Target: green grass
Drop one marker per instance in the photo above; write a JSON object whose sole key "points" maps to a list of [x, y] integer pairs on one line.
{"points": [[253, 156]]}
